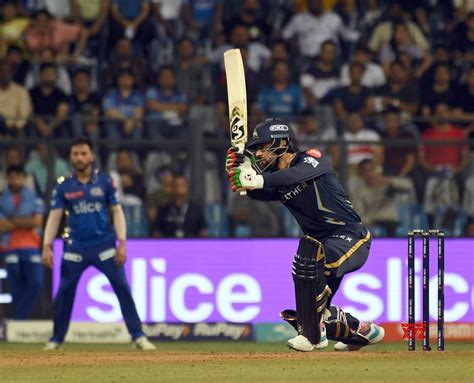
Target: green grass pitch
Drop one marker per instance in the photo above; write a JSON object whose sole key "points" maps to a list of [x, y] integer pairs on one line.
{"points": [[232, 362]]}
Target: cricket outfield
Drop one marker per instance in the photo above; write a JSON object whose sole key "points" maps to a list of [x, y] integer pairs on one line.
{"points": [[232, 362]]}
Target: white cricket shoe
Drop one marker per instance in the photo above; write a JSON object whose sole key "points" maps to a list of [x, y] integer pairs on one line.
{"points": [[144, 344], [300, 343], [51, 346], [323, 343], [374, 335]]}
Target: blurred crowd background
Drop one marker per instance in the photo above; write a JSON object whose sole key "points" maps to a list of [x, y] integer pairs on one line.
{"points": [[384, 88]]}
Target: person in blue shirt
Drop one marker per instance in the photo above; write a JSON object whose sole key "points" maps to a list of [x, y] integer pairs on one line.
{"points": [[283, 98], [88, 198], [166, 106], [123, 107]]}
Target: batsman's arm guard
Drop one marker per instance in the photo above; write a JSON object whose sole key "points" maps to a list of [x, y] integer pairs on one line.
{"points": [[311, 289]]}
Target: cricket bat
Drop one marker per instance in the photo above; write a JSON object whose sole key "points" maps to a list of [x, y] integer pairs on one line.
{"points": [[237, 99]]}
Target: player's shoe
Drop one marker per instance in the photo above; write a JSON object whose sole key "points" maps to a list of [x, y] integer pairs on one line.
{"points": [[374, 334], [300, 343], [51, 346], [323, 343], [144, 344]]}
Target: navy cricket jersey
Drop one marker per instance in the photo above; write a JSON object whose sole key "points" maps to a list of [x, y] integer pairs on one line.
{"points": [[87, 209], [310, 190]]}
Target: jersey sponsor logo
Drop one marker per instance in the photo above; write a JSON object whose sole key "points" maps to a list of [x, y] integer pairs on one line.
{"points": [[311, 161], [294, 192], [74, 195], [84, 207], [97, 192], [314, 152], [278, 128]]}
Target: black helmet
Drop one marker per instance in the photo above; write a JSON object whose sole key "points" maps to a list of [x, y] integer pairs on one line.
{"points": [[273, 130]]}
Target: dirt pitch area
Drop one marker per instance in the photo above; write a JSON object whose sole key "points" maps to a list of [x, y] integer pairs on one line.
{"points": [[232, 362]]}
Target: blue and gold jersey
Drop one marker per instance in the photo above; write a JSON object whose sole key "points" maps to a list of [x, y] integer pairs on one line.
{"points": [[87, 209], [310, 190]]}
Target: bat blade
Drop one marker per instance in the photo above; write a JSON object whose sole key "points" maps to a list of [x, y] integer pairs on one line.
{"points": [[237, 99]]}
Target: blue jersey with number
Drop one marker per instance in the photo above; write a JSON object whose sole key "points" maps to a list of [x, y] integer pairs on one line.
{"points": [[87, 209], [311, 192]]}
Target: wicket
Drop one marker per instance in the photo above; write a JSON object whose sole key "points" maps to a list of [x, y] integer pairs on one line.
{"points": [[426, 235]]}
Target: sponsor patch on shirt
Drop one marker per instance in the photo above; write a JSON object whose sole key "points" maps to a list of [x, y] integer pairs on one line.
{"points": [[74, 195], [314, 153], [311, 161], [97, 191]]}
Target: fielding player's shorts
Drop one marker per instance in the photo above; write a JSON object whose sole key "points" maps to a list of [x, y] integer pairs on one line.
{"points": [[346, 249]]}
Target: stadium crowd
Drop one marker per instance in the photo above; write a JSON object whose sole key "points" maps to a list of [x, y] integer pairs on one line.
{"points": [[398, 76]]}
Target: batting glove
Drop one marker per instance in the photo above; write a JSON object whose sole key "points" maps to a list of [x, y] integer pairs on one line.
{"points": [[244, 177]]}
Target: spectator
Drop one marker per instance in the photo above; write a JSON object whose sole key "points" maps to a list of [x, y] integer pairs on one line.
{"points": [[373, 76], [398, 93], [130, 19], [370, 17], [84, 106], [250, 14], [40, 165], [12, 26], [352, 25], [283, 99], [47, 32], [399, 160], [127, 177], [15, 104], [464, 41], [312, 28], [465, 99], [454, 158], [311, 133], [168, 20], [180, 218], [50, 108], [18, 64], [162, 194], [375, 198], [323, 75], [12, 156], [124, 108], [354, 97], [21, 218], [384, 31], [402, 42], [92, 16], [47, 56], [166, 106], [356, 131], [252, 218], [203, 19], [124, 59], [440, 91], [441, 55], [192, 75], [257, 53]]}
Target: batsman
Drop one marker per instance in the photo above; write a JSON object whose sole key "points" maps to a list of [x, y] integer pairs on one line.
{"points": [[335, 242]]}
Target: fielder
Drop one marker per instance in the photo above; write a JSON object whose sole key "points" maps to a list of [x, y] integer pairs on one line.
{"points": [[334, 243], [86, 198]]}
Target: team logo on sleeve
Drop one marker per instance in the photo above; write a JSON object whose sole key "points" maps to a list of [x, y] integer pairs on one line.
{"points": [[314, 153], [311, 161], [97, 192]]}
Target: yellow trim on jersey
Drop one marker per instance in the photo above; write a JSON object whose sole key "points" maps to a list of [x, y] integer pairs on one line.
{"points": [[351, 251]]}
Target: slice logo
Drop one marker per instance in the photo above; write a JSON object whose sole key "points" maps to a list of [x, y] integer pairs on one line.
{"points": [[314, 152], [278, 128], [237, 125]]}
